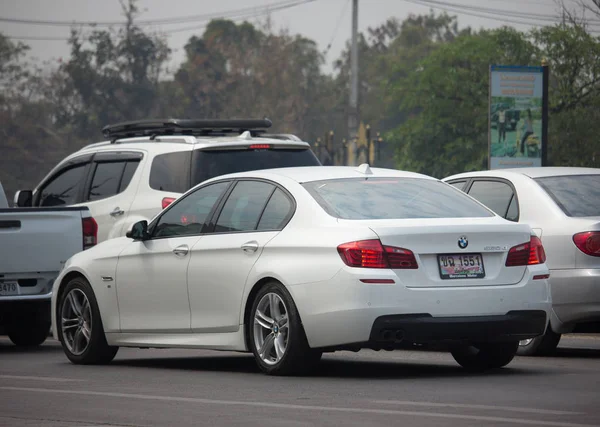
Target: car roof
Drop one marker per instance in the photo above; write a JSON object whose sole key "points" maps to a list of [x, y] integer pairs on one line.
{"points": [[304, 174], [532, 172]]}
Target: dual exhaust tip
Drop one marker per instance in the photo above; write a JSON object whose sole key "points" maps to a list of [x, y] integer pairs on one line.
{"points": [[393, 335]]}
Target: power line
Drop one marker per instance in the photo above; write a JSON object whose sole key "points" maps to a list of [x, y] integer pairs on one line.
{"points": [[337, 26]]}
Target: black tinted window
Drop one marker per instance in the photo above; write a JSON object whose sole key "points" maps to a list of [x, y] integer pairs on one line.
{"points": [[495, 195], [105, 182], [64, 188], [393, 198], [189, 215], [577, 195], [130, 168], [278, 210], [210, 163], [171, 172], [244, 206]]}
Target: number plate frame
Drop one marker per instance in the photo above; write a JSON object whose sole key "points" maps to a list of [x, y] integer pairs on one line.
{"points": [[9, 288], [445, 275]]}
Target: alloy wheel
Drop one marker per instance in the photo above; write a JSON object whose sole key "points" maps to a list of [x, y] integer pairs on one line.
{"points": [[271, 328], [76, 321]]}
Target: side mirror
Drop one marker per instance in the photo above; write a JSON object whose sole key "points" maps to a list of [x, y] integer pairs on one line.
{"points": [[139, 231], [23, 198]]}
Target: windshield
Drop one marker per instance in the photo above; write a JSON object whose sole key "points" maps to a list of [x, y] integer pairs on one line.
{"points": [[207, 164], [576, 195], [393, 198]]}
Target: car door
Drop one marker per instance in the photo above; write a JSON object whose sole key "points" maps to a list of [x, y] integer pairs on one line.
{"points": [[152, 274], [111, 190], [253, 213]]}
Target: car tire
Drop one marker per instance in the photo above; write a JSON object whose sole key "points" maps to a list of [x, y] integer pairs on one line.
{"points": [[29, 333], [485, 356], [542, 345], [82, 335], [274, 325]]}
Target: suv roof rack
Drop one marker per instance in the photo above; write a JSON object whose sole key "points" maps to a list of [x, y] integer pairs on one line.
{"points": [[203, 127]]}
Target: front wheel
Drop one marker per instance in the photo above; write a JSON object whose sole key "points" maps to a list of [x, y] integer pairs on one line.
{"points": [[276, 335], [80, 327], [485, 356]]}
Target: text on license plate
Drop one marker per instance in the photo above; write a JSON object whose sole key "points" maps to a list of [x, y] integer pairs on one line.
{"points": [[9, 288], [461, 266]]}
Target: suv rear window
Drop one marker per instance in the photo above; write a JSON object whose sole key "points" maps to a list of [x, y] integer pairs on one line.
{"points": [[208, 164], [393, 198], [576, 195]]}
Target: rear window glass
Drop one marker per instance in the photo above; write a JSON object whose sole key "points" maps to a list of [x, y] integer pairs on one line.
{"points": [[393, 198], [171, 172], [207, 164], [577, 195]]}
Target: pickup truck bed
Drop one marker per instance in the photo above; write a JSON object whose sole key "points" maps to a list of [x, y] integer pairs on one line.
{"points": [[34, 245]]}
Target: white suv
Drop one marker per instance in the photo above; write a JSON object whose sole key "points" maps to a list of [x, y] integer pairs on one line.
{"points": [[145, 165]]}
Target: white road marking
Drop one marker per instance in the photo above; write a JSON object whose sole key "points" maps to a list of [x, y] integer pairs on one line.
{"points": [[53, 379], [522, 421], [467, 406]]}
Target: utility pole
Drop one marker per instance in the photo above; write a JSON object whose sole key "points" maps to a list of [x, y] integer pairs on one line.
{"points": [[353, 107]]}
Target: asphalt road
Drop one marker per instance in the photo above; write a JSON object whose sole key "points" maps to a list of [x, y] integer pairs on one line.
{"points": [[202, 388]]}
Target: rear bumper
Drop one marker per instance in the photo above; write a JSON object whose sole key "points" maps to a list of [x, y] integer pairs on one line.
{"points": [[424, 328], [575, 297]]}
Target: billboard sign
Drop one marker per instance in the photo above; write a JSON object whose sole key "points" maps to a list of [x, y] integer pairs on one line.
{"points": [[517, 116]]}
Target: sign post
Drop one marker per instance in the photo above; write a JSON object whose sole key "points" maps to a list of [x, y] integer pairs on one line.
{"points": [[518, 116]]}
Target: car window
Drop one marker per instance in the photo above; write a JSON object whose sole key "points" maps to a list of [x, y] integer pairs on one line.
{"points": [[393, 198], [105, 182], [513, 209], [495, 195], [458, 184], [576, 195], [207, 164], [171, 172], [130, 168], [64, 188], [244, 206], [189, 215], [277, 212]]}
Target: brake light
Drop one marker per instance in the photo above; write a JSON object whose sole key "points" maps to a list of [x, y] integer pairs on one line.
{"points": [[372, 254], [259, 146], [588, 242], [89, 228], [166, 201], [529, 253]]}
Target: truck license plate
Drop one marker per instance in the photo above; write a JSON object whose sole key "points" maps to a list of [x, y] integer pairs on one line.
{"points": [[461, 266], [9, 288]]}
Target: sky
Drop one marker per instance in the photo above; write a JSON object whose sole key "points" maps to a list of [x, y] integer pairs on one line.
{"points": [[328, 22]]}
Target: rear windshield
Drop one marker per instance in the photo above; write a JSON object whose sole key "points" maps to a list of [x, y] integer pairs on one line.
{"points": [[393, 198], [207, 164], [577, 195]]}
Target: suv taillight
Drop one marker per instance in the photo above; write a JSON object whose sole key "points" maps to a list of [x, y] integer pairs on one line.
{"points": [[89, 226], [166, 201], [372, 254], [588, 242], [529, 253]]}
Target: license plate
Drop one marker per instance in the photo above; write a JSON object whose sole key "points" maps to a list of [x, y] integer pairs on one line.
{"points": [[461, 266], [9, 288]]}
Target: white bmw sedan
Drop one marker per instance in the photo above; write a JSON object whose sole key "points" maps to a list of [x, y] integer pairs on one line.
{"points": [[290, 263]]}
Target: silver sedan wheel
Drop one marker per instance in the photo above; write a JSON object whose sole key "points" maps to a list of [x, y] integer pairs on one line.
{"points": [[271, 328], [76, 322]]}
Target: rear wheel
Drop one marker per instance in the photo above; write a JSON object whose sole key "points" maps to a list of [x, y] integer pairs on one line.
{"points": [[276, 335], [29, 332], [80, 327], [485, 356], [539, 346]]}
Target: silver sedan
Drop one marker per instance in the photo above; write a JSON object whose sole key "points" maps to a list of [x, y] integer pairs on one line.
{"points": [[562, 205]]}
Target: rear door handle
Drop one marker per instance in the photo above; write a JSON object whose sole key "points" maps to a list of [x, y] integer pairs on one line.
{"points": [[181, 251], [117, 211], [250, 246]]}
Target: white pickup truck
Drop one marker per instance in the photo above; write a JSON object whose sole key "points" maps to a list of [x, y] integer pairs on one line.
{"points": [[34, 245]]}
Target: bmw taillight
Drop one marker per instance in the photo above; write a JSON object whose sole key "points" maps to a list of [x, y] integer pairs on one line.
{"points": [[166, 201], [588, 242], [372, 254], [529, 253], [89, 227]]}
